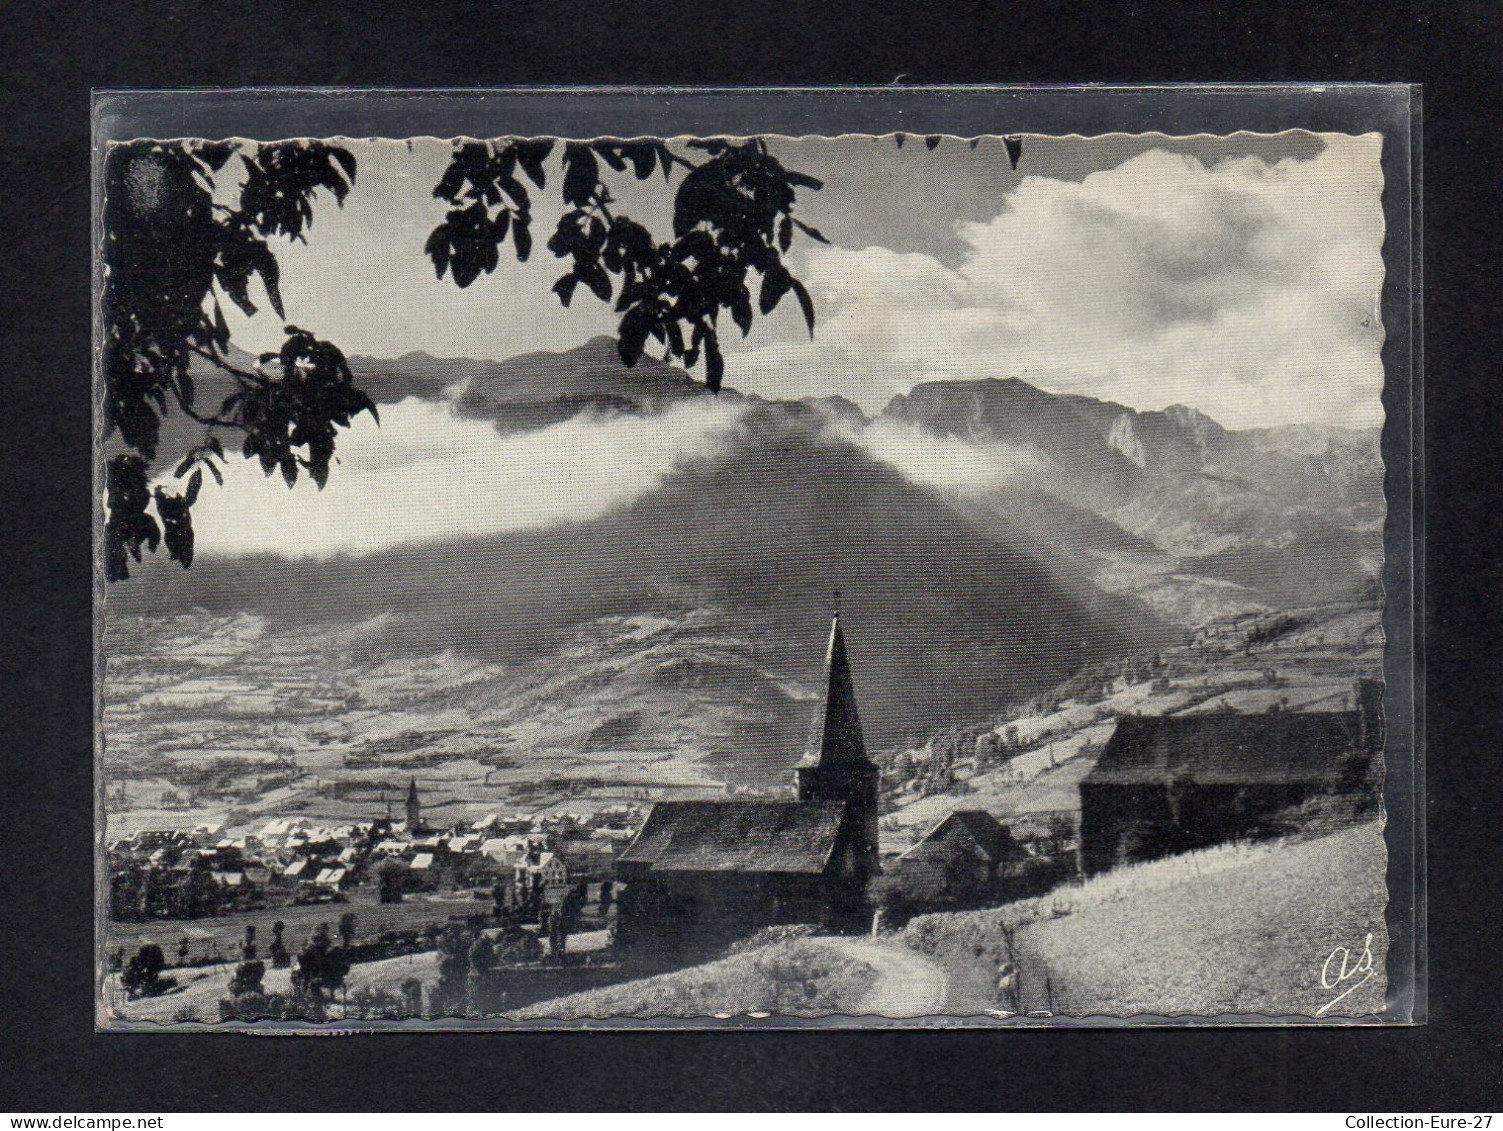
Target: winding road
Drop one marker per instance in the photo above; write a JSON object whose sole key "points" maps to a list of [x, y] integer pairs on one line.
{"points": [[907, 985]]}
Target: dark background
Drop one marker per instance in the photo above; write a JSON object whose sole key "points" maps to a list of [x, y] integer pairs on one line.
{"points": [[50, 1057]]}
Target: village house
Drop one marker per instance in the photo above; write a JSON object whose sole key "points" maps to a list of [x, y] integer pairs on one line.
{"points": [[962, 856], [701, 871], [542, 869], [1170, 784]]}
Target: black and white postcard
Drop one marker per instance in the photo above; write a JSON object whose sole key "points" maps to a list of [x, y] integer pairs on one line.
{"points": [[870, 579]]}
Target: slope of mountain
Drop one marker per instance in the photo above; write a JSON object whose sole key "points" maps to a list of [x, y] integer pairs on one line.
{"points": [[1293, 512], [957, 617]]}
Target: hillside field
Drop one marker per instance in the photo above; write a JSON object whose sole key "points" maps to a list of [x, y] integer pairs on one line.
{"points": [[1236, 929]]}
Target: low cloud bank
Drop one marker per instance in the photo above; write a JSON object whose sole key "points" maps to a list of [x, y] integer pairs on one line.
{"points": [[944, 463], [427, 475]]}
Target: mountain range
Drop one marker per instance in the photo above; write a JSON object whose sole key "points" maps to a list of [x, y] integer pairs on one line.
{"points": [[989, 539]]}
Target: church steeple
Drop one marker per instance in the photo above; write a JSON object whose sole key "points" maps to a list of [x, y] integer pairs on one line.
{"points": [[838, 734], [836, 767], [414, 810]]}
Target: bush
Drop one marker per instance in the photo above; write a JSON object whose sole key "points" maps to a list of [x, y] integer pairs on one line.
{"points": [[142, 976], [247, 979], [270, 1007]]}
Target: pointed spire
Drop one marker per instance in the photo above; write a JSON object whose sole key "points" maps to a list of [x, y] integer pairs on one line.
{"points": [[839, 731]]}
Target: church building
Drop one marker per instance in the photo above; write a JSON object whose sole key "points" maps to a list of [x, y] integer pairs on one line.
{"points": [[702, 872]]}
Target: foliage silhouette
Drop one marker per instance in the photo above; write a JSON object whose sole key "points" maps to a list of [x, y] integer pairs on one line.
{"points": [[172, 253], [178, 243], [732, 215]]}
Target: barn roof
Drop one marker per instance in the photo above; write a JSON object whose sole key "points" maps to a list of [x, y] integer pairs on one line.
{"points": [[737, 836], [989, 834], [1226, 749]]}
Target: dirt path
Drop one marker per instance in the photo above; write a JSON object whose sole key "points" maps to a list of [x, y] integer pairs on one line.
{"points": [[907, 985]]}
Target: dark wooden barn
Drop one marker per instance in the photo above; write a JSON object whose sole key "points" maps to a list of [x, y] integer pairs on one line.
{"points": [[702, 872], [1171, 784]]}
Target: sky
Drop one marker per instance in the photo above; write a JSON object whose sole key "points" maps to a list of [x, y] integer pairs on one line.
{"points": [[1239, 275]]}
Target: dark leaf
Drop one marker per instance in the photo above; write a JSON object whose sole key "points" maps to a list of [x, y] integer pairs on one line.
{"points": [[346, 160], [741, 311], [812, 232], [516, 191], [194, 483], [597, 280], [1014, 145], [531, 155], [696, 198], [437, 249], [177, 525], [466, 265], [581, 174], [271, 274], [775, 284], [675, 340], [931, 141], [785, 232], [453, 180], [632, 336], [521, 238], [607, 151], [714, 364], [804, 301], [215, 153], [643, 157], [564, 288], [803, 179]]}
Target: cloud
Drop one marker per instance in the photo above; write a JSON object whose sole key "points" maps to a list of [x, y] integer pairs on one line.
{"points": [[1246, 289], [943, 463], [427, 475]]}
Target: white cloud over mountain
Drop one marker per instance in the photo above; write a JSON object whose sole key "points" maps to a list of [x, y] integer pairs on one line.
{"points": [[1247, 289], [427, 475]]}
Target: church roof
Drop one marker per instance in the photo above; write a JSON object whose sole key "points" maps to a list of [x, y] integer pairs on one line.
{"points": [[1226, 749], [737, 836]]}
